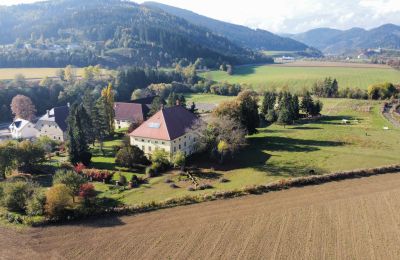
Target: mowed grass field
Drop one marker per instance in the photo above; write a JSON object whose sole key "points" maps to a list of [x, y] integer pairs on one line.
{"points": [[325, 145], [299, 75], [350, 219], [31, 73]]}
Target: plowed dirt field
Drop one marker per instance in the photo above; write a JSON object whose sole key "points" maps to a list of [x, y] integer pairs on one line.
{"points": [[352, 219]]}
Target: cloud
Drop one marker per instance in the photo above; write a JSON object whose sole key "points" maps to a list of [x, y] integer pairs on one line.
{"points": [[290, 16]]}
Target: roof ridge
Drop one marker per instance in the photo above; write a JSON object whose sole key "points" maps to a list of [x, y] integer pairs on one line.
{"points": [[165, 122]]}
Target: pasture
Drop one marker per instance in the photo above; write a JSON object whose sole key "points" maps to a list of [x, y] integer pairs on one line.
{"points": [[351, 219], [299, 75], [31, 73], [325, 145]]}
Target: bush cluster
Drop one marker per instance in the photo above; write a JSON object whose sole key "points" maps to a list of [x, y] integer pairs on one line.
{"points": [[98, 175]]}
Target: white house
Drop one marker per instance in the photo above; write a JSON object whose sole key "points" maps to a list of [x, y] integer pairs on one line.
{"points": [[168, 130], [23, 129], [54, 124]]}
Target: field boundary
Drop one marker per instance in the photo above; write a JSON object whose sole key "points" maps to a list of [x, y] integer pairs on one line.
{"points": [[220, 195]]}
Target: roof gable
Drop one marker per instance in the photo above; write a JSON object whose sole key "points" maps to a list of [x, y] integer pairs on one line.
{"points": [[166, 124], [57, 115], [130, 111]]}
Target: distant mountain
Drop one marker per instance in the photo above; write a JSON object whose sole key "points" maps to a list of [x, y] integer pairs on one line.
{"points": [[108, 32], [241, 35], [348, 41]]}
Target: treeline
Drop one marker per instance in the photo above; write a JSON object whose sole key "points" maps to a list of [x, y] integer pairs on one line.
{"points": [[284, 108], [68, 87], [329, 88]]}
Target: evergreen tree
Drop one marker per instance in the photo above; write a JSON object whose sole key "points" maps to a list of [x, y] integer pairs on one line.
{"points": [[171, 101], [182, 100], [248, 111], [78, 147], [295, 107], [99, 121], [284, 116], [268, 102], [156, 105], [307, 104]]}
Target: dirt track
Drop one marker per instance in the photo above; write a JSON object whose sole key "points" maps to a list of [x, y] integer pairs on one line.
{"points": [[352, 219]]}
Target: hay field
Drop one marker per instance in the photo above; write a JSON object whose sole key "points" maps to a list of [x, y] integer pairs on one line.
{"points": [[299, 75], [351, 219], [31, 73]]}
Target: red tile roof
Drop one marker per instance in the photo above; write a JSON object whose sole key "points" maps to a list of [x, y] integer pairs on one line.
{"points": [[167, 124], [130, 112]]}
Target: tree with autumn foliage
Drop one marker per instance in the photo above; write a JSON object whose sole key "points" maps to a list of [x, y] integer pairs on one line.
{"points": [[22, 107], [107, 95]]}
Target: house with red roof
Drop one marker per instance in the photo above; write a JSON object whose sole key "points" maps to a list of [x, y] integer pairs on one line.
{"points": [[169, 129], [129, 113]]}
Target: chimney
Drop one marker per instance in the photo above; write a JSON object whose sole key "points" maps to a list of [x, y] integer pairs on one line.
{"points": [[48, 113], [68, 105]]}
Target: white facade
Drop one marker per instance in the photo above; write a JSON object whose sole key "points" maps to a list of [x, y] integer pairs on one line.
{"points": [[185, 144], [23, 129], [120, 124], [51, 130]]}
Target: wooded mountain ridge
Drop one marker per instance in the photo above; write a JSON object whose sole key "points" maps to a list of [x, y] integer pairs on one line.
{"points": [[333, 41], [108, 32]]}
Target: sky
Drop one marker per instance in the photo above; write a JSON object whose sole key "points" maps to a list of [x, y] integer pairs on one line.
{"points": [[289, 16]]}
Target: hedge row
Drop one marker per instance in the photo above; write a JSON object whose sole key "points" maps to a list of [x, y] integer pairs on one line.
{"points": [[219, 195], [255, 189]]}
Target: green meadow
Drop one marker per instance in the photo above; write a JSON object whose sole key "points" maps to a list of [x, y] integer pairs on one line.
{"points": [[277, 152], [297, 78]]}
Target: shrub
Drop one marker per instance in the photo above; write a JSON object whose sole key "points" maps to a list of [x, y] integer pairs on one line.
{"points": [[160, 161], [35, 204], [79, 168], [173, 185], [58, 201], [223, 180], [71, 179], [130, 157], [191, 189], [205, 186], [87, 191], [16, 195], [122, 180], [66, 166], [98, 175], [179, 159]]}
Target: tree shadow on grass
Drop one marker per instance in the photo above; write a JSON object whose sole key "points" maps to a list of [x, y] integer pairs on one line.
{"points": [[207, 175], [306, 128], [332, 120], [244, 70], [256, 154]]}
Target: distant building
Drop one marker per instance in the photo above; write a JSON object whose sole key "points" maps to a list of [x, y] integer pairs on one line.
{"points": [[128, 113], [23, 129], [169, 130], [54, 123]]}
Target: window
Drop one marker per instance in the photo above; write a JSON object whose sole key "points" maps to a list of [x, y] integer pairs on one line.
{"points": [[163, 142], [59, 138], [156, 142], [143, 148], [149, 148], [174, 149], [184, 144], [179, 146]]}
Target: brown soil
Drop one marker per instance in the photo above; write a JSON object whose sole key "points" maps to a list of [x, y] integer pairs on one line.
{"points": [[352, 219]]}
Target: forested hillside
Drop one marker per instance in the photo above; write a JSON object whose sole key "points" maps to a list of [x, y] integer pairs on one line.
{"points": [[108, 32], [241, 35], [348, 41]]}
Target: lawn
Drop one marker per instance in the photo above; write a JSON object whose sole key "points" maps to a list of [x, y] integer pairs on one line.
{"points": [[305, 75], [325, 145], [31, 73], [206, 98]]}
